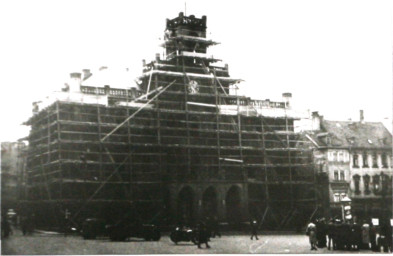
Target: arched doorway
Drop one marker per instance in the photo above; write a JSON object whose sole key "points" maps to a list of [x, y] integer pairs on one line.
{"points": [[209, 203], [233, 205], [185, 205]]}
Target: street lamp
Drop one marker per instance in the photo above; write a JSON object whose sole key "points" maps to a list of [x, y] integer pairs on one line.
{"points": [[346, 208]]}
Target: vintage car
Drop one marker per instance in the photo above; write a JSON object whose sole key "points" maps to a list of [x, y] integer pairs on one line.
{"points": [[183, 234]]}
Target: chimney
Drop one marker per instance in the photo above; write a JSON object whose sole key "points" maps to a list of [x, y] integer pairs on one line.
{"points": [[287, 97], [86, 74], [157, 56], [75, 82], [316, 121], [181, 14], [143, 62], [361, 116], [204, 19]]}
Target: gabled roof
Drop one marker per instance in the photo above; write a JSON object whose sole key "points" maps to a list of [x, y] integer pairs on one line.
{"points": [[350, 134]]}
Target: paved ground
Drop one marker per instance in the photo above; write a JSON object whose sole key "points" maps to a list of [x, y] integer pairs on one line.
{"points": [[44, 243]]}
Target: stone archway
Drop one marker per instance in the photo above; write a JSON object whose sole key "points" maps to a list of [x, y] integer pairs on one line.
{"points": [[233, 205], [209, 203], [185, 205]]}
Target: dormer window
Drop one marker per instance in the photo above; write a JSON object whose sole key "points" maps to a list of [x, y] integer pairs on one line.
{"points": [[355, 161]]}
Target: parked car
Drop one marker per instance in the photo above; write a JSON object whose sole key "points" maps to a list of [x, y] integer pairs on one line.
{"points": [[183, 234], [94, 227], [121, 232]]}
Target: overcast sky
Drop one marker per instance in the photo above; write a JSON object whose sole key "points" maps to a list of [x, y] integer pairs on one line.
{"points": [[334, 56]]}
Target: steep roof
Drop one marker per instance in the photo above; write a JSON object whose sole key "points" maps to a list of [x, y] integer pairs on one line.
{"points": [[349, 134]]}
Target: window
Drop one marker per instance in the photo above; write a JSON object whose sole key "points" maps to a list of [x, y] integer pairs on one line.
{"points": [[355, 159], [366, 180], [356, 180], [376, 185], [336, 197], [334, 158], [375, 161], [335, 175], [340, 156], [384, 183], [365, 159], [384, 161], [342, 175]]}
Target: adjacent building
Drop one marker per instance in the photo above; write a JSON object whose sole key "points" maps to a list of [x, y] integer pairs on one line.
{"points": [[11, 166], [356, 156]]}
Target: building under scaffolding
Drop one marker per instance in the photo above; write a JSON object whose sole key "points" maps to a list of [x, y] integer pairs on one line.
{"points": [[179, 147]]}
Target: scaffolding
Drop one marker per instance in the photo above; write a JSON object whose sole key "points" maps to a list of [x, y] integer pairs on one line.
{"points": [[181, 128]]}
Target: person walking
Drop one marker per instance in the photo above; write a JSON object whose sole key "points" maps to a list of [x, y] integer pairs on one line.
{"points": [[365, 236], [373, 237], [215, 227], [254, 229], [203, 237], [330, 232], [311, 231]]}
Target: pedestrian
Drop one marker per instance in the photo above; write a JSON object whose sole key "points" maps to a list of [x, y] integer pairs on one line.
{"points": [[203, 237], [386, 236], [365, 236], [254, 229], [311, 231], [24, 224], [373, 237], [346, 235], [215, 227], [321, 233], [5, 227], [330, 232]]}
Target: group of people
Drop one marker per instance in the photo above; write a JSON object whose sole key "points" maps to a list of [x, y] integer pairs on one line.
{"points": [[336, 234]]}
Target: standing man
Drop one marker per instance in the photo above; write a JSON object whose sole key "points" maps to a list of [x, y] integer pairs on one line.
{"points": [[331, 235], [215, 227], [311, 231], [203, 237], [254, 228]]}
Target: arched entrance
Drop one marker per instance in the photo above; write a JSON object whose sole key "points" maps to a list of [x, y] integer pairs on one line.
{"points": [[185, 206], [209, 203], [233, 205]]}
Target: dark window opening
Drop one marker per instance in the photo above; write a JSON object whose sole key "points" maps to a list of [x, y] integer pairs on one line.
{"points": [[376, 185], [356, 179], [366, 180], [335, 175], [342, 175], [384, 161], [365, 160], [375, 162]]}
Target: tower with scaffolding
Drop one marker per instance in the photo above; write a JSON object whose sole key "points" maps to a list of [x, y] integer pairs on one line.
{"points": [[180, 147]]}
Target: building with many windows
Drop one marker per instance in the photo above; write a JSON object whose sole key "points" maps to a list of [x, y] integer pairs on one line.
{"points": [[357, 158]]}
